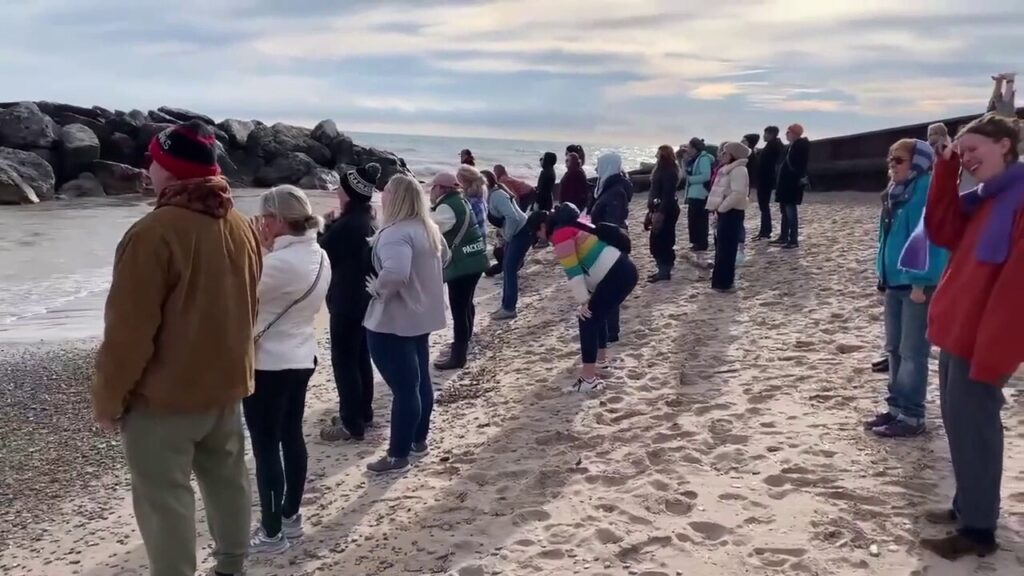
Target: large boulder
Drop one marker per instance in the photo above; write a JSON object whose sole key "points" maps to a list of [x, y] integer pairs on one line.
{"points": [[326, 132], [318, 152], [85, 186], [125, 124], [24, 126], [343, 150], [119, 148], [33, 169], [79, 147], [57, 108], [237, 131], [138, 116], [103, 112], [288, 168], [320, 179], [147, 132], [240, 168], [182, 115], [13, 189], [161, 118], [121, 179]]}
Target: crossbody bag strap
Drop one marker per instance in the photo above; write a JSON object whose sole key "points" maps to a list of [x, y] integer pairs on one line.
{"points": [[299, 300]]}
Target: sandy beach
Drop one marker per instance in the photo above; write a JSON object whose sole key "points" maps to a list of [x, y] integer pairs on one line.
{"points": [[727, 442]]}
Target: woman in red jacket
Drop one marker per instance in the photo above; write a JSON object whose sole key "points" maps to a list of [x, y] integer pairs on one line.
{"points": [[976, 319]]}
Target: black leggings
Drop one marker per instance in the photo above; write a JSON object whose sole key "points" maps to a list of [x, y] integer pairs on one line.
{"points": [[273, 414], [663, 238], [353, 373], [460, 297], [697, 222]]}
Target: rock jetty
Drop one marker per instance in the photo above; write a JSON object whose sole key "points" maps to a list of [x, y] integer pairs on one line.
{"points": [[54, 151]]}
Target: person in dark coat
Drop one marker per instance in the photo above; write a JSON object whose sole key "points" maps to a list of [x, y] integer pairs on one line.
{"points": [[466, 157], [767, 175], [546, 182], [346, 241], [611, 206], [663, 213], [574, 188], [792, 182]]}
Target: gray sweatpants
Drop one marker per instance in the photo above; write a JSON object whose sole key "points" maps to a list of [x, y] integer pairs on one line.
{"points": [[970, 413]]}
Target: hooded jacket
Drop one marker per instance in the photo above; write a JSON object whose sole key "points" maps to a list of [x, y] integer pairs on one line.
{"points": [[768, 165], [546, 182], [731, 188], [793, 172], [573, 188], [346, 241], [698, 176], [611, 198]]}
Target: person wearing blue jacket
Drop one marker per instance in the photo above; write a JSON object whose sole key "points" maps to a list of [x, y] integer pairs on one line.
{"points": [[908, 293], [699, 165]]}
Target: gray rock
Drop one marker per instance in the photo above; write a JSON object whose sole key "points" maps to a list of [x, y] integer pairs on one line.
{"points": [[320, 179], [125, 124], [146, 134], [221, 136], [161, 118], [85, 186], [182, 115], [54, 108], [240, 168], [318, 152], [13, 189], [288, 168], [50, 156], [65, 118], [343, 151], [79, 148], [326, 132], [121, 149], [121, 179], [237, 131], [138, 116], [33, 170], [24, 126], [269, 142], [103, 112]]}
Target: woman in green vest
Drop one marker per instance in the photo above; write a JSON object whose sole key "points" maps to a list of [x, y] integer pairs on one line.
{"points": [[468, 262]]}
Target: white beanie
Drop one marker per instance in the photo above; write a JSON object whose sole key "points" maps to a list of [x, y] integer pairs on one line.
{"points": [[737, 150]]}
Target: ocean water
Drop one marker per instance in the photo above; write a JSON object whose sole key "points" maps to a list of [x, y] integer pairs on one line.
{"points": [[56, 257]]}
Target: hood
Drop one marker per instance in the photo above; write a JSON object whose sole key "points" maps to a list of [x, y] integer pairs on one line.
{"points": [[549, 160], [563, 215], [210, 196], [752, 140]]}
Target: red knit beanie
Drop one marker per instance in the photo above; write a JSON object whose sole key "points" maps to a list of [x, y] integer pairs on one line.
{"points": [[187, 151]]}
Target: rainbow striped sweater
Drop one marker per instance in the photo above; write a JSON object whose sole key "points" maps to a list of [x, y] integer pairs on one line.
{"points": [[585, 258]]}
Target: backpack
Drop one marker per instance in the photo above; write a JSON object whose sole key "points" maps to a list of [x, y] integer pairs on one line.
{"points": [[608, 233]]}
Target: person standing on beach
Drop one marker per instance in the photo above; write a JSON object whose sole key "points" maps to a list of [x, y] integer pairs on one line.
{"points": [[406, 305], [498, 223], [511, 220], [663, 212], [347, 242], [611, 206], [466, 158], [546, 182], [976, 319], [454, 216], [791, 186], [767, 178], [601, 277], [474, 186], [177, 356], [698, 184], [526, 195], [728, 200], [577, 150], [574, 188], [296, 274], [907, 293]]}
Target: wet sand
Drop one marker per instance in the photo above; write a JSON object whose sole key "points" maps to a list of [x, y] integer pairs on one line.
{"points": [[727, 442]]}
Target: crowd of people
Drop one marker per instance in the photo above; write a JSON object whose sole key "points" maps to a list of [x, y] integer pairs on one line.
{"points": [[211, 317]]}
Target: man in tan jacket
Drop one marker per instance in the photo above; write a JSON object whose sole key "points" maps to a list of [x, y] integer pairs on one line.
{"points": [[177, 356]]}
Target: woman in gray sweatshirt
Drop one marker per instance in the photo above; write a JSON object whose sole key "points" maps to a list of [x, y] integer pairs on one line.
{"points": [[407, 304], [503, 211]]}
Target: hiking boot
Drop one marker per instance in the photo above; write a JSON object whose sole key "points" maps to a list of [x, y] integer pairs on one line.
{"points": [[450, 363], [779, 241], [900, 429], [502, 314], [881, 419], [880, 366], [388, 464], [941, 516], [292, 527], [260, 543], [790, 246], [658, 277], [419, 449], [958, 546], [338, 433]]}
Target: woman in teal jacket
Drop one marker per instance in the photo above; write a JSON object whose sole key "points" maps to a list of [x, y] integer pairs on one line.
{"points": [[698, 184], [907, 293]]}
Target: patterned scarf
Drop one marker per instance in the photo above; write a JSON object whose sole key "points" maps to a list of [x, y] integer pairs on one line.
{"points": [[920, 163], [914, 256], [210, 196]]}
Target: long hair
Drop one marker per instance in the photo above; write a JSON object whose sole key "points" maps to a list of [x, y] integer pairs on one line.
{"points": [[409, 202], [474, 185], [666, 161]]}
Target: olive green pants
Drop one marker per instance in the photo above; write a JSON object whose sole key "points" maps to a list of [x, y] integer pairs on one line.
{"points": [[162, 452]]}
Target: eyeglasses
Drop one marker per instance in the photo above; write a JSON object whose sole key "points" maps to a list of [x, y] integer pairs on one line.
{"points": [[897, 160]]}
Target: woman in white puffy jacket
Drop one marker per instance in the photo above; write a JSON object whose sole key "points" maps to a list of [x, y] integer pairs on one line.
{"points": [[728, 200]]}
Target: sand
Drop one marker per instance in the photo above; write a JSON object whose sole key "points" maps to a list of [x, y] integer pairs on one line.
{"points": [[728, 441]]}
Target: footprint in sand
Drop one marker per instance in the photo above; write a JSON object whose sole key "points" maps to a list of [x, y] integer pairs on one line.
{"points": [[711, 531], [678, 507], [608, 536], [532, 515]]}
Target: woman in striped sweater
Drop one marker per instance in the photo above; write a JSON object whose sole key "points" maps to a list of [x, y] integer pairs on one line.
{"points": [[601, 277]]}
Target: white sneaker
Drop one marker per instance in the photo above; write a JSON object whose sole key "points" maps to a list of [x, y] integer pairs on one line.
{"points": [[260, 543], [585, 386], [292, 527]]}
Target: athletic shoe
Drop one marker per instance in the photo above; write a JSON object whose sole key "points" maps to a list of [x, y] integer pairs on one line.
{"points": [[584, 385], [900, 429], [260, 543], [388, 464], [502, 314], [790, 246], [419, 449], [292, 527], [778, 241], [881, 419]]}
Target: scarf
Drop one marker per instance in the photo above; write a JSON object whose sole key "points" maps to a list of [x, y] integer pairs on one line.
{"points": [[920, 163], [210, 196], [608, 165]]}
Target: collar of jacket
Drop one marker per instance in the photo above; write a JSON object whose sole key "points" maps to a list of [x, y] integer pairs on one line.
{"points": [[282, 242], [732, 166]]}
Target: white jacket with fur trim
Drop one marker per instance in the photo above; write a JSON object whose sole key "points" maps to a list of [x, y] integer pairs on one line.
{"points": [[731, 188]]}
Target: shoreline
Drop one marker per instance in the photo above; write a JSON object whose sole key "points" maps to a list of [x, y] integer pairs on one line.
{"points": [[727, 442]]}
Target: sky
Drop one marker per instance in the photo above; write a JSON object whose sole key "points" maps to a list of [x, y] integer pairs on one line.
{"points": [[627, 71]]}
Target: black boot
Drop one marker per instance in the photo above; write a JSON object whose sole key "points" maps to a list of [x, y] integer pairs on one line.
{"points": [[456, 360], [663, 273]]}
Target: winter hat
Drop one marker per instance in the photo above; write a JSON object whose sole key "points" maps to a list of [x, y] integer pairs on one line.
{"points": [[187, 151], [573, 160], [797, 130], [444, 180], [467, 157], [361, 182], [752, 140], [697, 144], [736, 150], [549, 160]]}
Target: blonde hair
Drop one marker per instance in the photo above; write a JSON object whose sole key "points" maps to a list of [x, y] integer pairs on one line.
{"points": [[908, 145], [473, 183], [291, 205], [409, 202]]}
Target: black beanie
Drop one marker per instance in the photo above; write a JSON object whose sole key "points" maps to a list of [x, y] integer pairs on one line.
{"points": [[752, 140], [697, 144], [359, 184]]}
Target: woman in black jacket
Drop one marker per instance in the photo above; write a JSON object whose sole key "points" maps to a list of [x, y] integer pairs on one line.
{"points": [[792, 182], [663, 213], [346, 241], [546, 182], [611, 206], [767, 178]]}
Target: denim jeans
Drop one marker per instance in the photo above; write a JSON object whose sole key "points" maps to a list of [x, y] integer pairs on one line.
{"points": [[515, 253], [404, 362], [764, 204], [727, 242], [790, 223], [906, 341], [610, 293]]}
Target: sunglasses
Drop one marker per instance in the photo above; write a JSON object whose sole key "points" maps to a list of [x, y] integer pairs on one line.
{"points": [[897, 160]]}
